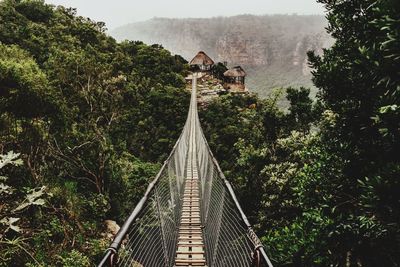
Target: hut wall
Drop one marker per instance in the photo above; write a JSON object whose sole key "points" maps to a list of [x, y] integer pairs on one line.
{"points": [[205, 67], [234, 87], [235, 80]]}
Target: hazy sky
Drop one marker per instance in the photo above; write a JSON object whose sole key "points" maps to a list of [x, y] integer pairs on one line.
{"points": [[118, 12]]}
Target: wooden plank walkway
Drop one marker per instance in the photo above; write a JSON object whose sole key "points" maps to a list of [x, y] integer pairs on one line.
{"points": [[190, 250]]}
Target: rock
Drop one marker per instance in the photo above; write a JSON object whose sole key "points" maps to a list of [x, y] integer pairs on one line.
{"points": [[112, 228], [272, 49], [240, 40], [135, 264]]}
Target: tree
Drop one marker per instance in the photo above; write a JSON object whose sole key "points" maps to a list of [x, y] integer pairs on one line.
{"points": [[301, 108], [25, 91], [359, 83], [218, 70]]}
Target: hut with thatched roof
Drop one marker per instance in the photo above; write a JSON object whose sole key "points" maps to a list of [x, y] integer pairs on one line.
{"points": [[234, 79], [202, 62]]}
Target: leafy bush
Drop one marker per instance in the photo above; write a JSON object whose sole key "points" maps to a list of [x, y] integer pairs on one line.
{"points": [[90, 118]]}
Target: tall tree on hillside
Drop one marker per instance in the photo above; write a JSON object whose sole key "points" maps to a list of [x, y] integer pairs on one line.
{"points": [[301, 108], [359, 81]]}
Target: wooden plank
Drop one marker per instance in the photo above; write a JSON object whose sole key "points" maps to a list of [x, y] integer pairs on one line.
{"points": [[190, 247], [189, 261], [190, 252]]}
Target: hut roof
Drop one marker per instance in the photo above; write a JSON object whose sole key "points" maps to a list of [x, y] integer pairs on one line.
{"points": [[201, 59], [235, 72]]}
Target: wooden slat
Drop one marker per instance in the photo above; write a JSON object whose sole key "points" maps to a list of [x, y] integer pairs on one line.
{"points": [[190, 249]]}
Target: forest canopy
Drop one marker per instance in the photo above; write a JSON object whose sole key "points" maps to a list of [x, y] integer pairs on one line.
{"points": [[321, 182], [84, 123]]}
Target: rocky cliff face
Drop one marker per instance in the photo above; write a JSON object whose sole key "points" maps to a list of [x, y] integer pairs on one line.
{"points": [[270, 46]]}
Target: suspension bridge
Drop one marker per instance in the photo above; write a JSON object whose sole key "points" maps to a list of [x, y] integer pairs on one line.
{"points": [[189, 215]]}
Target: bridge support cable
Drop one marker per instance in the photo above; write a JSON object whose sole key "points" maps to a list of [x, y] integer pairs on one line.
{"points": [[189, 215]]}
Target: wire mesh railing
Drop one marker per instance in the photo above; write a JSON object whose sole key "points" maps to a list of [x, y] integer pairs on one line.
{"points": [[149, 236]]}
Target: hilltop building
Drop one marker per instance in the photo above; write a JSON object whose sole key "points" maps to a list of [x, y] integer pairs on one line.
{"points": [[234, 79], [202, 62], [214, 80]]}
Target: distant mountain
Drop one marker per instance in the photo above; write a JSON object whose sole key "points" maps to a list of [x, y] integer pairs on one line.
{"points": [[271, 48]]}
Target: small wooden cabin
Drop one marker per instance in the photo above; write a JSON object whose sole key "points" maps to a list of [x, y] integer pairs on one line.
{"points": [[202, 61], [234, 79]]}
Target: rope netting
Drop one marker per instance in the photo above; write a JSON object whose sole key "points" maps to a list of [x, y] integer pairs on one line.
{"points": [[149, 236]]}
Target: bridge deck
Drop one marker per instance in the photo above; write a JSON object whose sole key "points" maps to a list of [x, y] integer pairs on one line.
{"points": [[190, 251]]}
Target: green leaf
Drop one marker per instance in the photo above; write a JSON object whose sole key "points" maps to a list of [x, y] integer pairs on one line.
{"points": [[9, 222], [32, 199]]}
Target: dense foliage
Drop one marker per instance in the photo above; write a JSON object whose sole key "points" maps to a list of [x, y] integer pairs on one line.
{"points": [[321, 183], [90, 119]]}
